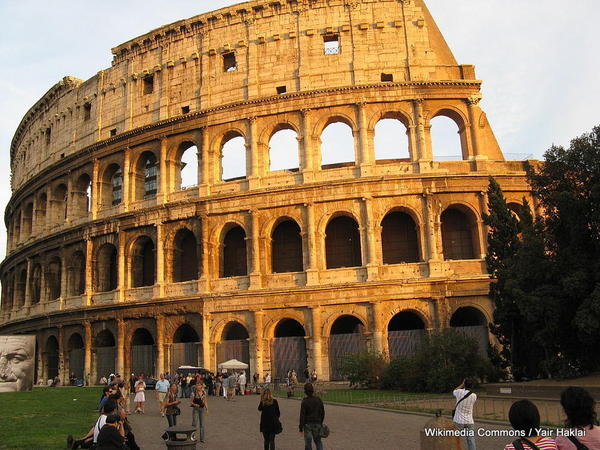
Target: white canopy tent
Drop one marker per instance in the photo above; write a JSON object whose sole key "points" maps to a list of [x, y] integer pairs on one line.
{"points": [[233, 364]]}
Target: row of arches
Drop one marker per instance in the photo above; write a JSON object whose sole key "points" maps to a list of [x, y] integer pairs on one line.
{"points": [[405, 333]]}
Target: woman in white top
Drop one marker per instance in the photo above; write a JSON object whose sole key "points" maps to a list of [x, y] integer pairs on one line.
{"points": [[140, 396]]}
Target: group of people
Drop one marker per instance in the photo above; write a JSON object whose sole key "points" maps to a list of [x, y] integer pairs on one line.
{"points": [[579, 407]]}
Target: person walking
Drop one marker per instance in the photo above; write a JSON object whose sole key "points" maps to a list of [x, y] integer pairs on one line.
{"points": [[170, 405], [580, 409], [161, 388], [312, 414], [242, 381], [463, 413], [269, 419], [200, 408], [140, 396]]}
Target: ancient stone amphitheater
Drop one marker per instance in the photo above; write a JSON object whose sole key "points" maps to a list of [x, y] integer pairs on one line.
{"points": [[117, 265]]}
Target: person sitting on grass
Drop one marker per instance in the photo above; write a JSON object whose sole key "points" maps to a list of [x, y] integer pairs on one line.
{"points": [[91, 437], [112, 434], [580, 408], [525, 417]]}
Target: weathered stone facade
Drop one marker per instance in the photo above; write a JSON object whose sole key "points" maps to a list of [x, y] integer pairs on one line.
{"points": [[109, 260]]}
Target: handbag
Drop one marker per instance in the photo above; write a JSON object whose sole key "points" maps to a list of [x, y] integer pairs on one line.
{"points": [[176, 410], [278, 426], [458, 402], [325, 431]]}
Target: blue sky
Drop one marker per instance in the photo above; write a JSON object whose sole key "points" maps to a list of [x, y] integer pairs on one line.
{"points": [[538, 59]]}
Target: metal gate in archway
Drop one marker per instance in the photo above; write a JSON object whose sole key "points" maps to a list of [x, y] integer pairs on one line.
{"points": [[404, 343], [233, 349], [185, 354], [76, 362], [289, 353], [479, 333], [142, 359], [341, 346], [52, 362], [105, 361]]}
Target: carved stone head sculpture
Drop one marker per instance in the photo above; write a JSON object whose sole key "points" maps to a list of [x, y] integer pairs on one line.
{"points": [[17, 362]]}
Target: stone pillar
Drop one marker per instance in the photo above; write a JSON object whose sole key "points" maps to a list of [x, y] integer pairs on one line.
{"points": [[432, 231], [252, 156], [160, 259], [473, 108], [257, 356], [369, 231], [160, 344], [88, 343], [163, 175], [379, 344], [205, 275], [89, 271], [127, 178], [63, 276], [413, 147], [366, 156], [255, 275], [424, 151], [62, 359], [122, 269], [27, 304], [207, 361], [70, 202], [95, 201], [312, 269], [121, 347], [482, 228], [317, 341], [308, 161], [205, 160]]}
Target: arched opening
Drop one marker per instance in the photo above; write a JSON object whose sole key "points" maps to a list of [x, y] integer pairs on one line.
{"points": [[17, 227], [459, 234], [142, 352], [187, 174], [446, 139], [342, 243], [82, 196], [36, 284], [112, 186], [185, 256], [40, 212], [146, 176], [185, 348], [53, 278], [20, 292], [346, 338], [105, 353], [234, 344], [233, 157], [76, 274], [516, 210], [52, 360], [60, 201], [399, 238], [234, 253], [471, 322], [284, 150], [406, 331], [286, 250], [76, 351], [289, 349], [337, 145], [391, 140], [27, 220], [106, 268], [142, 262]]}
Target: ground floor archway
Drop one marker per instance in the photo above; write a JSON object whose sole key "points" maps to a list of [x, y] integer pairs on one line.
{"points": [[346, 338], [76, 351], [186, 347], [471, 322], [142, 353], [289, 349], [234, 344], [105, 353], [406, 332]]}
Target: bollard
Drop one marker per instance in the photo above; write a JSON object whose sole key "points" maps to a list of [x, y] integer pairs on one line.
{"points": [[441, 442], [180, 438]]}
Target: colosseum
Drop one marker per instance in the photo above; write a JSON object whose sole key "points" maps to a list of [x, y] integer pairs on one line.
{"points": [[301, 238]]}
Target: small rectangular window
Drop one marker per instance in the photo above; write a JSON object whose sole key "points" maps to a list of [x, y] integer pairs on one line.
{"points": [[87, 111], [387, 78], [229, 62], [281, 89], [48, 135], [113, 132], [332, 44], [148, 84], [185, 109]]}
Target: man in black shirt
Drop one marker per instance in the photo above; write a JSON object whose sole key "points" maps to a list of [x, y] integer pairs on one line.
{"points": [[111, 436], [312, 414]]}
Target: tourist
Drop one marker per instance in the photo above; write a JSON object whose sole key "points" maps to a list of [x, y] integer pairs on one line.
{"points": [[170, 405], [200, 406], [90, 439], [267, 380], [313, 376], [242, 381], [255, 379], [225, 383], [463, 414], [307, 374], [140, 396], [103, 380], [312, 414], [105, 394], [217, 390], [231, 386], [580, 409], [525, 418], [112, 434], [162, 386], [183, 384], [132, 380], [269, 419]]}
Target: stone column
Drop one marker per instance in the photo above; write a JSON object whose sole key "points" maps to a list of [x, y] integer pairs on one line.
{"points": [[96, 184], [366, 156], [163, 173], [307, 160], [88, 343], [62, 360], [27, 305], [205, 274], [482, 228], [255, 275], [424, 151], [433, 236], [121, 347], [63, 277], [257, 356], [89, 271], [379, 344], [127, 177], [207, 361], [205, 157], [252, 155], [473, 108], [312, 271], [317, 341], [121, 262], [160, 344], [160, 259], [369, 232], [70, 201]]}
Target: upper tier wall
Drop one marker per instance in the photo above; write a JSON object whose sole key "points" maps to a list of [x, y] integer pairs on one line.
{"points": [[275, 44]]}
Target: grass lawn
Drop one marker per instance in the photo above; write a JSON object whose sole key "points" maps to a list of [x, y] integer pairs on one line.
{"points": [[358, 396], [42, 419]]}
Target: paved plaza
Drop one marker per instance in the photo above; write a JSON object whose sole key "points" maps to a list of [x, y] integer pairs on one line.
{"points": [[234, 425]]}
